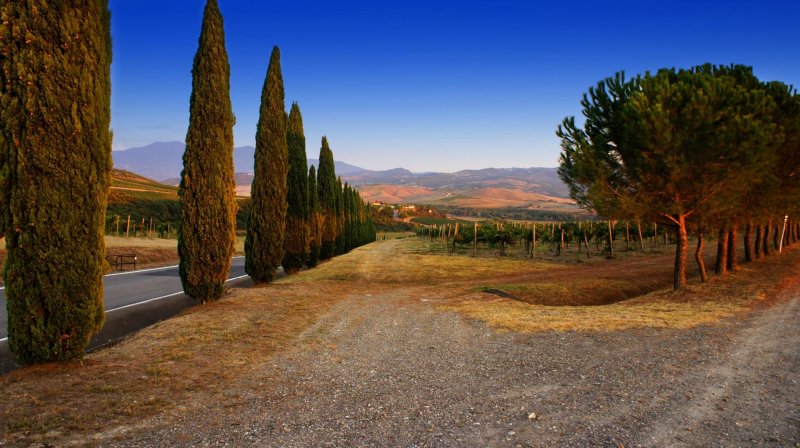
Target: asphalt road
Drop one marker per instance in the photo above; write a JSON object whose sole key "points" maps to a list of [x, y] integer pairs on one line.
{"points": [[134, 300]]}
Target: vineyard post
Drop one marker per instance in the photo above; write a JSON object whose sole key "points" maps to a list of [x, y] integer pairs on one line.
{"points": [[128, 227], [627, 236], [586, 240], [475, 241], [783, 232], [116, 221], [143, 231], [533, 253], [151, 227]]}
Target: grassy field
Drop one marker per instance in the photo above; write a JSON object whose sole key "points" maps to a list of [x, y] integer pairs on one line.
{"points": [[203, 354]]}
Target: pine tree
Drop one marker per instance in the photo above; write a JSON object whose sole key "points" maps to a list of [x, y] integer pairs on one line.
{"points": [[206, 234], [296, 241], [328, 197], [55, 164], [265, 228], [316, 219]]}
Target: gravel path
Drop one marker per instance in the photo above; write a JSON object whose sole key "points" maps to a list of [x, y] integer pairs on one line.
{"points": [[388, 369]]}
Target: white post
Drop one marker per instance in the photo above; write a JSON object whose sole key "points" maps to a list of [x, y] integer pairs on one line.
{"points": [[783, 232]]}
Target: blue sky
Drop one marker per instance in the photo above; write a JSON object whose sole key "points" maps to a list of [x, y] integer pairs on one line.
{"points": [[429, 85]]}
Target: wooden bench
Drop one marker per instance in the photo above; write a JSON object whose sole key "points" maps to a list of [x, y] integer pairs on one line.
{"points": [[121, 260]]}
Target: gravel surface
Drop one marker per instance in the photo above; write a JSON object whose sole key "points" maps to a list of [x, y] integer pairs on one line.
{"points": [[390, 370]]}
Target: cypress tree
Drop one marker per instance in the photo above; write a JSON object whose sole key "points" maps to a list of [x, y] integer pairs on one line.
{"points": [[339, 211], [206, 234], [265, 229], [328, 197], [55, 164], [296, 241], [316, 219]]}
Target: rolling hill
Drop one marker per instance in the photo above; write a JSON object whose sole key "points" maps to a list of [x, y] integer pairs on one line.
{"points": [[490, 188]]}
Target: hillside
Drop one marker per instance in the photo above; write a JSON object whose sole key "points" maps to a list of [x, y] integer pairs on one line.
{"points": [[126, 184]]}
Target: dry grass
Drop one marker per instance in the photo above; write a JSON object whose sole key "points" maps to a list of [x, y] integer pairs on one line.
{"points": [[164, 369], [697, 305], [157, 243]]}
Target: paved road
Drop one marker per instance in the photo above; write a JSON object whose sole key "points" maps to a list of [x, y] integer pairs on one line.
{"points": [[134, 300]]}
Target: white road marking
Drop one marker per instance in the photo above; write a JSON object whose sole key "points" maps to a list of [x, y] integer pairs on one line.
{"points": [[148, 300], [144, 301], [163, 297]]}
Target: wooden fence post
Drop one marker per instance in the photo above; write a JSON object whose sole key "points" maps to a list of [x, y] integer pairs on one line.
{"points": [[475, 241]]}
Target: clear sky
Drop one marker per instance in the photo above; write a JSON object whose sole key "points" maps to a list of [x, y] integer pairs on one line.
{"points": [[429, 85]]}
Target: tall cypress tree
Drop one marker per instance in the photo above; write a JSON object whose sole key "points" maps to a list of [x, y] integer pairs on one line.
{"points": [[265, 229], [206, 235], [55, 164], [296, 243], [328, 198], [339, 211], [316, 219]]}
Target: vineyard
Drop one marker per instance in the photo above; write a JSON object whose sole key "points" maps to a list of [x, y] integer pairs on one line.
{"points": [[583, 240]]}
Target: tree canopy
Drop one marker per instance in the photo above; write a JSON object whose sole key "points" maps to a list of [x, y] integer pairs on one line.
{"points": [[679, 146]]}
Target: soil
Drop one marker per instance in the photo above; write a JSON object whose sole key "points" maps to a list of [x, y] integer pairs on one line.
{"points": [[388, 368]]}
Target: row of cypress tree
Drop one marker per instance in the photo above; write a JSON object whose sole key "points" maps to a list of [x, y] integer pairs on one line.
{"points": [[297, 217], [55, 166]]}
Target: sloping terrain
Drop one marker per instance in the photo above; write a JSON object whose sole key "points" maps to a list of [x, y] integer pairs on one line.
{"points": [[125, 184]]}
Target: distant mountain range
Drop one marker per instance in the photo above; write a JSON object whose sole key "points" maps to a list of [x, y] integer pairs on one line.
{"points": [[535, 188], [163, 161]]}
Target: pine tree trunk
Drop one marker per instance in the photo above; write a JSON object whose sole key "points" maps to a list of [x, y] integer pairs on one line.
{"points": [[732, 261], [776, 232], [765, 240], [681, 250], [748, 250], [698, 256], [757, 244], [721, 264], [641, 240], [610, 239]]}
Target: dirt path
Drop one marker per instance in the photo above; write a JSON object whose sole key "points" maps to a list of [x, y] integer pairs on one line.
{"points": [[389, 369], [752, 396]]}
